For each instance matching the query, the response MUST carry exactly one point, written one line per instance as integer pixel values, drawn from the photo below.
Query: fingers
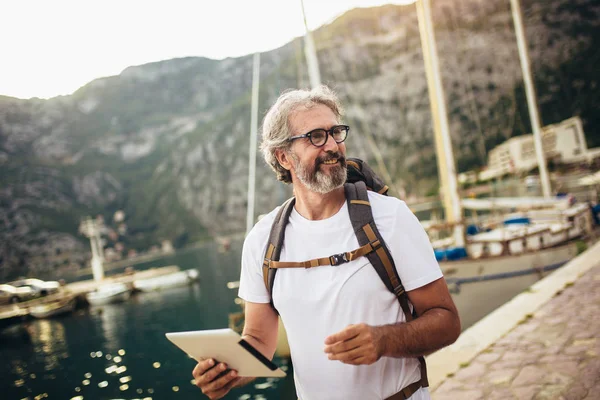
(346, 355)
(221, 385)
(358, 356)
(223, 391)
(215, 381)
(345, 334)
(342, 347)
(356, 345)
(202, 367)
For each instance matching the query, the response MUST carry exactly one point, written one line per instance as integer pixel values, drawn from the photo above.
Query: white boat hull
(97, 300)
(480, 286)
(181, 278)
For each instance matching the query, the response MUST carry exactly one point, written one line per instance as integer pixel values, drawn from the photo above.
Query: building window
(575, 135)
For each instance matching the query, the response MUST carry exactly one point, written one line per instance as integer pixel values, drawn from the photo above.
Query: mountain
(167, 142)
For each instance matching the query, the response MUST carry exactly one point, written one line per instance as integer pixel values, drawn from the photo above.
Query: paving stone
(576, 392)
(592, 353)
(501, 365)
(575, 350)
(448, 386)
(550, 392)
(594, 393)
(558, 358)
(569, 368)
(487, 358)
(585, 342)
(553, 355)
(551, 350)
(529, 375)
(536, 348)
(473, 373)
(558, 378)
(590, 374)
(510, 341)
(555, 341)
(512, 355)
(581, 335)
(501, 377)
(500, 394)
(526, 392)
(559, 319)
(460, 394)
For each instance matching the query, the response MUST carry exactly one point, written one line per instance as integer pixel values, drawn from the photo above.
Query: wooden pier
(84, 287)
(76, 292)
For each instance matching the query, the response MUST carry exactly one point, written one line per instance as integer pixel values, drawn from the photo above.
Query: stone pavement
(552, 354)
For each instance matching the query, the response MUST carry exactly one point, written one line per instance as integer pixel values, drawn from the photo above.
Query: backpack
(360, 179)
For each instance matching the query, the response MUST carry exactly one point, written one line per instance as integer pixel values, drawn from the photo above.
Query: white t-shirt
(317, 302)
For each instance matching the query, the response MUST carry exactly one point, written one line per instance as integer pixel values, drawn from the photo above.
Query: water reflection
(49, 342)
(112, 318)
(119, 350)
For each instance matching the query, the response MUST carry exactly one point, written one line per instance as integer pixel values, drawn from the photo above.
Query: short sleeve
(412, 251)
(252, 286)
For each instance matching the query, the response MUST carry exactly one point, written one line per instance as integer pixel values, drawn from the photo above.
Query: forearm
(260, 346)
(433, 330)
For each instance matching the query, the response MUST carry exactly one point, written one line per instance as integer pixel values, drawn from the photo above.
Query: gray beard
(315, 180)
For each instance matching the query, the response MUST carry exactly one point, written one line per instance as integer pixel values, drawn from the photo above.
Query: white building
(563, 142)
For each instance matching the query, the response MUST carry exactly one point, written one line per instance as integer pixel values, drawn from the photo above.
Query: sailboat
(486, 264)
(485, 267)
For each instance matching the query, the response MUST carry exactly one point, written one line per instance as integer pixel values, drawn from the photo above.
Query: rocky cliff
(167, 142)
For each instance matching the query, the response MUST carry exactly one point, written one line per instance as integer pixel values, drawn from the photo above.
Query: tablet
(226, 345)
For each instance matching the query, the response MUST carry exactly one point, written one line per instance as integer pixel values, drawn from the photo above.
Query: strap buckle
(338, 259)
(399, 290)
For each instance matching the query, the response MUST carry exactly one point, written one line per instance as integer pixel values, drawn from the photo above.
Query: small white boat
(109, 293)
(53, 308)
(181, 278)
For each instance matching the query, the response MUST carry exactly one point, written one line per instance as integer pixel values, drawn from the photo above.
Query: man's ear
(284, 159)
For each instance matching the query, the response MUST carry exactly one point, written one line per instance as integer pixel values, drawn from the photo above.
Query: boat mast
(90, 229)
(310, 52)
(445, 157)
(253, 140)
(531, 96)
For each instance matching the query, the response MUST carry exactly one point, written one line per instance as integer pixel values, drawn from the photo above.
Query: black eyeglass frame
(328, 132)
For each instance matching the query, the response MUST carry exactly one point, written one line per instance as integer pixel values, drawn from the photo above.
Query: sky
(53, 47)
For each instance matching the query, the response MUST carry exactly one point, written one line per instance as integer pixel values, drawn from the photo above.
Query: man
(348, 336)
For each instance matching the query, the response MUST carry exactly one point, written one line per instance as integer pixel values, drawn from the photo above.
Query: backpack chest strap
(333, 260)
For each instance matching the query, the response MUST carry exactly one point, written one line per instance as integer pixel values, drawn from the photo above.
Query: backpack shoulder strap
(366, 231)
(275, 243)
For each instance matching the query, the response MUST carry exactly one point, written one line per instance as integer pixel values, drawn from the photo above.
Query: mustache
(331, 155)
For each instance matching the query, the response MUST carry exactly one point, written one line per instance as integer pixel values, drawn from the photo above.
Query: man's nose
(331, 144)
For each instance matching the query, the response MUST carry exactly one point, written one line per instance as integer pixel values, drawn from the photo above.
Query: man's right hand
(214, 379)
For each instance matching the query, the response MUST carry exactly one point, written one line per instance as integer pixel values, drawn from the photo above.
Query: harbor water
(119, 351)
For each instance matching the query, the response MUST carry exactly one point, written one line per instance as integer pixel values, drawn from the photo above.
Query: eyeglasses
(318, 137)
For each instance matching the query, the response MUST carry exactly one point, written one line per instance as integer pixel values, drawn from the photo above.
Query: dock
(543, 344)
(76, 291)
(84, 287)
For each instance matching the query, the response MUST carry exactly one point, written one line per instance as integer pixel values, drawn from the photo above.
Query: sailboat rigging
(496, 261)
(481, 264)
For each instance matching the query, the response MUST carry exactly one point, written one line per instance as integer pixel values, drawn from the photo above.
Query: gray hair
(276, 128)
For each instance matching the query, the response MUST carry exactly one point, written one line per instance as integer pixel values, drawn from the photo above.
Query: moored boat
(181, 278)
(109, 293)
(506, 260)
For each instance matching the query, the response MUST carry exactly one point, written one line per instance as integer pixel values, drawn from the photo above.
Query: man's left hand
(356, 344)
